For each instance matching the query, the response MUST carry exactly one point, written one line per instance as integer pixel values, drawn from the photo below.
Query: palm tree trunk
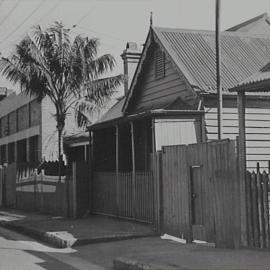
(60, 155)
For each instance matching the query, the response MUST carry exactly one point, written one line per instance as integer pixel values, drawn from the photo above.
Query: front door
(197, 203)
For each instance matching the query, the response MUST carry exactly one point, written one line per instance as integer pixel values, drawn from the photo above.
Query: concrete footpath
(61, 232)
(156, 254)
(125, 245)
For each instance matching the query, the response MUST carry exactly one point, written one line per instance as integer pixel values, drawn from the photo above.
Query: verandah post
(242, 165)
(91, 168)
(74, 189)
(133, 169)
(117, 168)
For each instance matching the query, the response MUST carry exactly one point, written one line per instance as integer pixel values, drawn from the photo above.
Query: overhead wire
(75, 25)
(49, 11)
(100, 33)
(24, 21)
(37, 22)
(10, 12)
(2, 2)
(112, 46)
(88, 13)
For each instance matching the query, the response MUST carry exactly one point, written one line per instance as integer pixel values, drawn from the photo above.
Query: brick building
(28, 129)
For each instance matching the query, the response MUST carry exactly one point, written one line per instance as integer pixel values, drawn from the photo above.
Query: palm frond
(101, 65)
(47, 63)
(100, 89)
(86, 111)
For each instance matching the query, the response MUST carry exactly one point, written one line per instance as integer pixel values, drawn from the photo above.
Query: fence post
(255, 217)
(265, 208)
(260, 205)
(42, 173)
(249, 210)
(241, 143)
(35, 192)
(157, 173)
(1, 185)
(241, 153)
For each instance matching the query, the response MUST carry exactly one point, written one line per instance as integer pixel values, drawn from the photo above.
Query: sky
(115, 22)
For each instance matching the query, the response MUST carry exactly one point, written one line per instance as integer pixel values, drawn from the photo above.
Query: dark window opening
(78, 153)
(11, 153)
(3, 154)
(104, 149)
(33, 149)
(21, 149)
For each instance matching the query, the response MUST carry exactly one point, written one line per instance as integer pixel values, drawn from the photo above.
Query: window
(3, 155)
(159, 64)
(21, 151)
(4, 126)
(12, 122)
(11, 153)
(33, 149)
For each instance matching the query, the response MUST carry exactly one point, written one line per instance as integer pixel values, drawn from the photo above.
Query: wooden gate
(81, 188)
(200, 192)
(124, 196)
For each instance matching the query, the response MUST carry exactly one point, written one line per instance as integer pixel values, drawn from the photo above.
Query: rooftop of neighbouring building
(4, 92)
(13, 101)
(259, 24)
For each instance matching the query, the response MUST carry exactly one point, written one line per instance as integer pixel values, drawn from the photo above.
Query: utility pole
(219, 87)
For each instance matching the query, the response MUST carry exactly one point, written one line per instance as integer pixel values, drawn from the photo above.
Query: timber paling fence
(124, 196)
(258, 198)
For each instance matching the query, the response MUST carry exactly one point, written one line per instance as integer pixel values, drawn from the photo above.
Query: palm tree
(48, 63)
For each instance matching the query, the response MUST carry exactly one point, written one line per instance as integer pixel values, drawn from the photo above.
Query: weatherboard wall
(153, 92)
(177, 131)
(257, 128)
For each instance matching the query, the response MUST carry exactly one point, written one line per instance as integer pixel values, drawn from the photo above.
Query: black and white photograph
(134, 134)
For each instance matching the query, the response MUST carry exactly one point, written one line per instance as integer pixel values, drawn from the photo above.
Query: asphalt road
(18, 252)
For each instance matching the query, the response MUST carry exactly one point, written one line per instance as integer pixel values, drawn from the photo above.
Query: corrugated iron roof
(194, 53)
(259, 81)
(257, 77)
(246, 25)
(77, 137)
(113, 113)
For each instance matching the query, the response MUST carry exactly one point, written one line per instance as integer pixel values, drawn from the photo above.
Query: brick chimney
(131, 56)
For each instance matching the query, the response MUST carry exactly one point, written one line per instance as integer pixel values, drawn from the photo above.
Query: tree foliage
(49, 63)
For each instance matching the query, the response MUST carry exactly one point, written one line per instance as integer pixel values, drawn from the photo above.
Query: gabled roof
(248, 25)
(192, 53)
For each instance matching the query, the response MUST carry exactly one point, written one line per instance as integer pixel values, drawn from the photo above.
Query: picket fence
(258, 198)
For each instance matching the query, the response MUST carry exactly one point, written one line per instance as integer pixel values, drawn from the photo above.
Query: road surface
(18, 252)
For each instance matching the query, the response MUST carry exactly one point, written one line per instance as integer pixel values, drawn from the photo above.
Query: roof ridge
(212, 32)
(257, 18)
